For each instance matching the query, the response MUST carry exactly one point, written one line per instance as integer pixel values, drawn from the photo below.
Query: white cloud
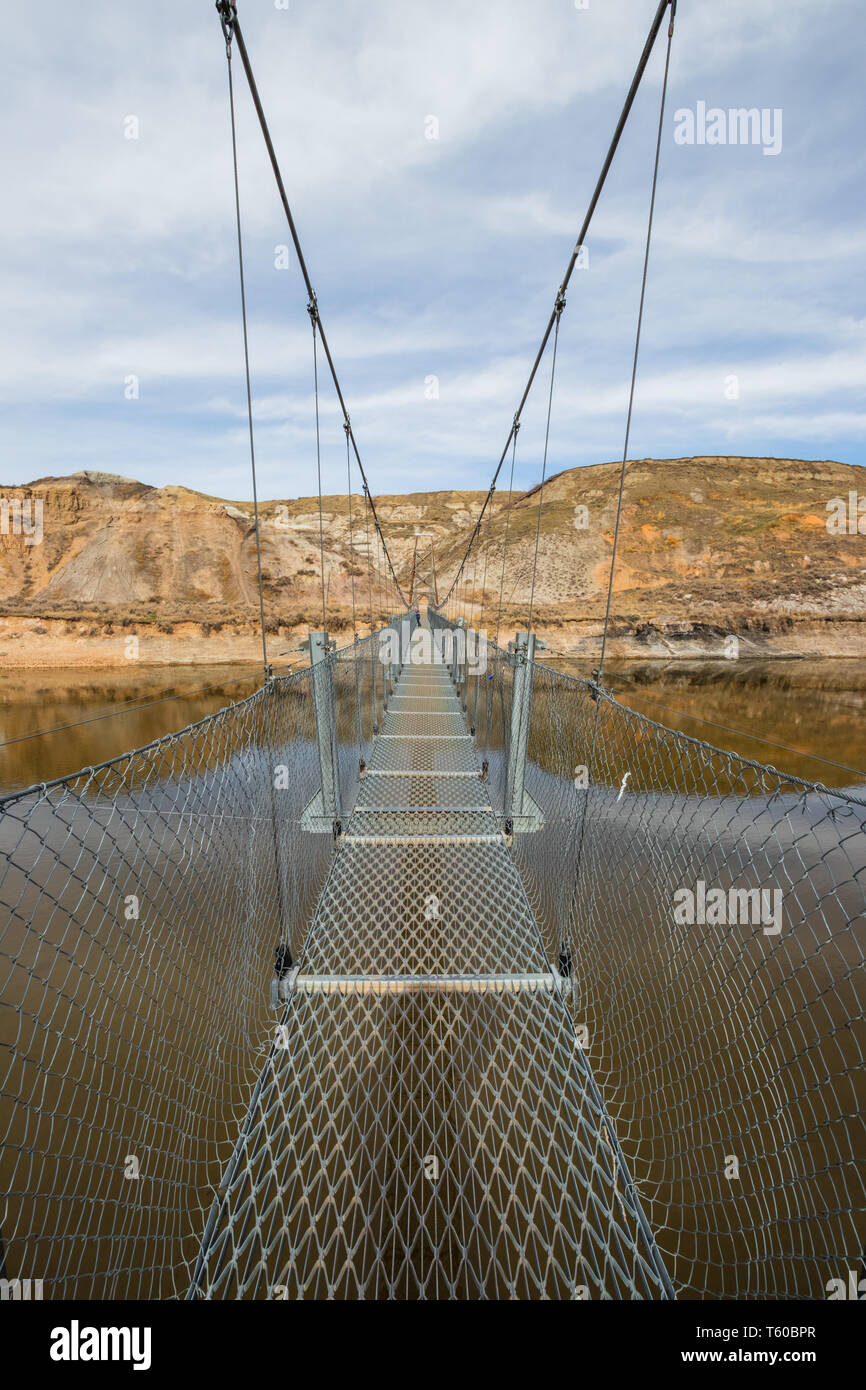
(428, 256)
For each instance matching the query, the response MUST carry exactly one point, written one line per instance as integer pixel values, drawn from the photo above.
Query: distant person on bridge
(418, 617)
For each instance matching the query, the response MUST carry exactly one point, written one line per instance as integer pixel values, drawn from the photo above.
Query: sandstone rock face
(734, 543)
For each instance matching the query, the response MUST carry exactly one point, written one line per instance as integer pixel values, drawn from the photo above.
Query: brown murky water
(119, 706)
(748, 707)
(753, 707)
(154, 1008)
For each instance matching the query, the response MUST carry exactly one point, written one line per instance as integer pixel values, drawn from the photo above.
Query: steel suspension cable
(514, 434)
(560, 307)
(474, 588)
(484, 572)
(373, 696)
(590, 765)
(227, 11)
(313, 312)
(351, 535)
(247, 359)
(602, 178)
(643, 283)
(482, 669)
(381, 596)
(369, 561)
(357, 659)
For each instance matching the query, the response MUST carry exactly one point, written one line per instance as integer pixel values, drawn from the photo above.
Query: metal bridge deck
(426, 1125)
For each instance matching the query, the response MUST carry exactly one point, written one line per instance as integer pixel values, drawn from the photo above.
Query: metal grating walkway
(426, 1125)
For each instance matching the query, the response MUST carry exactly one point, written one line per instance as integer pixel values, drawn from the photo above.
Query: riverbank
(790, 638)
(34, 643)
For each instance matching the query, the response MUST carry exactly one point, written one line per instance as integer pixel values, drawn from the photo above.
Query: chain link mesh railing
(705, 912)
(424, 1124)
(142, 905)
(711, 912)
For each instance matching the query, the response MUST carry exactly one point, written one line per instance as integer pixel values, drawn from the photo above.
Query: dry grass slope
(707, 544)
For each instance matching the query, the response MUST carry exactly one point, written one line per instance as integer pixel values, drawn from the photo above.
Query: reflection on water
(144, 1034)
(47, 699)
(140, 909)
(712, 1037)
(816, 707)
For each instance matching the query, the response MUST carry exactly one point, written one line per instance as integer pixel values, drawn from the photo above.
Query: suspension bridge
(355, 989)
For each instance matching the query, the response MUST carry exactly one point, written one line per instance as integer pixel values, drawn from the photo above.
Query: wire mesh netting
(425, 1125)
(143, 902)
(458, 1150)
(616, 1045)
(711, 911)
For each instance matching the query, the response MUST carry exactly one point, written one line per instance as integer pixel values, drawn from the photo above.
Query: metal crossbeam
(411, 984)
(374, 1144)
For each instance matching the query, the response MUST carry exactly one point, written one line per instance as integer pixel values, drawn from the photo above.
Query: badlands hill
(708, 547)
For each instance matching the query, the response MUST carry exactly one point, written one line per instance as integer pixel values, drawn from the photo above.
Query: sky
(439, 159)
